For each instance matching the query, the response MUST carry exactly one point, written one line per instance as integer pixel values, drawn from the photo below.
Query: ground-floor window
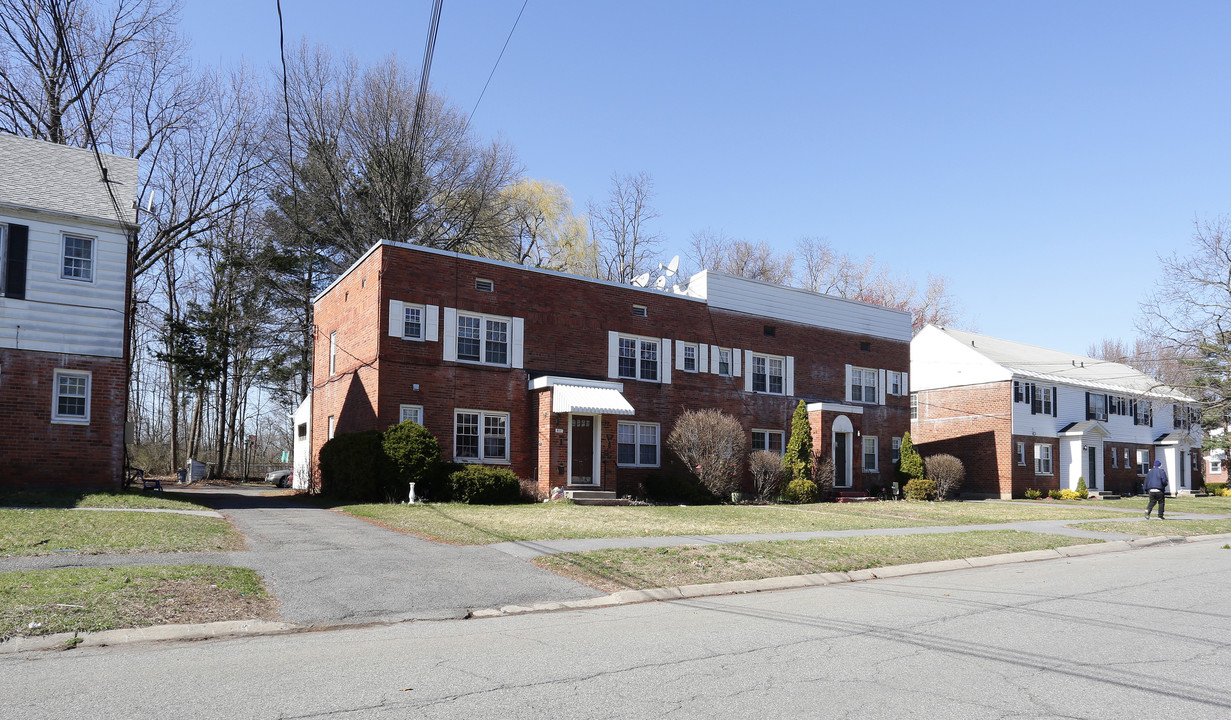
(771, 440)
(897, 450)
(1215, 467)
(413, 413)
(480, 436)
(1021, 454)
(1042, 459)
(1143, 462)
(637, 444)
(1115, 456)
(870, 462)
(71, 403)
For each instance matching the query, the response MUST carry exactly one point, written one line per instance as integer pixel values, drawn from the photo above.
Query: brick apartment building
(576, 383)
(1024, 417)
(63, 294)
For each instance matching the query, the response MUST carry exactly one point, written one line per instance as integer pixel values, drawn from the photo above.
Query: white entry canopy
(584, 396)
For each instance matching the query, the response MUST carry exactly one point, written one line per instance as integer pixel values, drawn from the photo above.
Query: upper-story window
(768, 374)
(1142, 412)
(412, 322)
(897, 383)
(724, 361)
(1182, 417)
(3, 254)
(863, 385)
(1096, 406)
(333, 352)
(1041, 399)
(482, 339)
(689, 357)
(1117, 405)
(78, 258)
(638, 358)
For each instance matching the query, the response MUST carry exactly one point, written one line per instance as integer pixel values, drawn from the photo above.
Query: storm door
(581, 451)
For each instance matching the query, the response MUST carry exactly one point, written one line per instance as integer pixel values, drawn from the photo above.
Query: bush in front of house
(712, 446)
(1082, 491)
(676, 488)
(1033, 494)
(1070, 495)
(1216, 488)
(1054, 494)
(910, 464)
(354, 468)
(766, 468)
(482, 485)
(415, 455)
(800, 491)
(822, 475)
(797, 460)
(947, 472)
(921, 489)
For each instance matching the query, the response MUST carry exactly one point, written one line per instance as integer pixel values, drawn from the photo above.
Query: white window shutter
(848, 383)
(664, 362)
(789, 380)
(880, 387)
(519, 344)
(432, 325)
(450, 330)
(679, 354)
(613, 354)
(748, 375)
(396, 319)
(735, 358)
(703, 358)
(906, 383)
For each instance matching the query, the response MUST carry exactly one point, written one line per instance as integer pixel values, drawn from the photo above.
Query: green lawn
(479, 524)
(614, 570)
(70, 499)
(44, 531)
(90, 599)
(1187, 528)
(1183, 504)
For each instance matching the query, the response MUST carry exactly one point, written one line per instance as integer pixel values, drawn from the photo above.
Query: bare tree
(620, 227)
(735, 256)
(1151, 356)
(947, 472)
(767, 472)
(711, 444)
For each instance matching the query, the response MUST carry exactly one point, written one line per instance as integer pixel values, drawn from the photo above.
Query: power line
(493, 72)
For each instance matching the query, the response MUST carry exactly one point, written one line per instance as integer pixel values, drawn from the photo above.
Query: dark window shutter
(1055, 402)
(15, 263)
(1089, 415)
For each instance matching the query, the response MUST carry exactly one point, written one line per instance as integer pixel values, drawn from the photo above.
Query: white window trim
(1038, 460)
(663, 352)
(875, 468)
(429, 326)
(403, 409)
(56, 417)
(1216, 467)
(1021, 454)
(93, 257)
(333, 352)
(903, 388)
(717, 364)
(637, 426)
(786, 373)
(482, 458)
(681, 356)
(877, 389)
(1143, 466)
(332, 426)
(896, 449)
(483, 320)
(780, 433)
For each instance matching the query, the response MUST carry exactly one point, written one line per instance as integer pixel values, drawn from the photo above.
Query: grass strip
(481, 524)
(1197, 505)
(640, 568)
(54, 530)
(1186, 528)
(42, 602)
(116, 499)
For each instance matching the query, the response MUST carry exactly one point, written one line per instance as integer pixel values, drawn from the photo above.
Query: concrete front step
(1101, 495)
(590, 494)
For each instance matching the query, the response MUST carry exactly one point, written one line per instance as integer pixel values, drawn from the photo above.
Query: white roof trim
(834, 407)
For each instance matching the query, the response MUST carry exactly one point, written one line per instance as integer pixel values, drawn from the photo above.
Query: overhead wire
(496, 65)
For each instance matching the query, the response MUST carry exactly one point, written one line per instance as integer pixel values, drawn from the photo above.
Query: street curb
(247, 628)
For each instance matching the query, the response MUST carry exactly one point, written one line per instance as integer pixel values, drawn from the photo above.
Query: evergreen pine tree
(910, 464)
(797, 460)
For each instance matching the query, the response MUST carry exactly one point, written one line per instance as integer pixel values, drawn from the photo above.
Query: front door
(840, 476)
(581, 451)
(1092, 468)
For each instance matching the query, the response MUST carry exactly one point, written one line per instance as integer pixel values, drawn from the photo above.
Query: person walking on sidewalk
(1156, 486)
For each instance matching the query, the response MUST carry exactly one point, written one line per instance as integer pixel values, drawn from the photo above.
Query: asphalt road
(1141, 634)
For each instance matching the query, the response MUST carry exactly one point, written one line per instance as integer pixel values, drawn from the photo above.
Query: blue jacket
(1156, 479)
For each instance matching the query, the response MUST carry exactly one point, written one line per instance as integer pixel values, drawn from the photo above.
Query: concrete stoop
(594, 497)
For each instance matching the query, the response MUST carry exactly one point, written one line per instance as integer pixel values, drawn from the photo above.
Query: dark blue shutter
(15, 263)
(1055, 402)
(1089, 415)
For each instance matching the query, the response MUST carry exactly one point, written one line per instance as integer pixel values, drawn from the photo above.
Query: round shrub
(800, 491)
(1033, 494)
(921, 489)
(480, 485)
(415, 454)
(1053, 494)
(1070, 495)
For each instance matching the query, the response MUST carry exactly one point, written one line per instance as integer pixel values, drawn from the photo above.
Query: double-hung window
(333, 352)
(412, 322)
(78, 258)
(1143, 462)
(637, 444)
(914, 406)
(480, 436)
(896, 383)
(1216, 467)
(767, 374)
(870, 459)
(724, 362)
(771, 440)
(1021, 454)
(1042, 459)
(413, 413)
(483, 339)
(3, 255)
(863, 385)
(638, 358)
(1096, 406)
(689, 357)
(71, 403)
(897, 450)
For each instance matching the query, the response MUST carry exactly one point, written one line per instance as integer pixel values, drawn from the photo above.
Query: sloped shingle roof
(46, 176)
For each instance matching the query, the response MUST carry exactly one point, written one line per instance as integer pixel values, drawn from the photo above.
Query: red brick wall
(36, 453)
(566, 325)
(972, 423)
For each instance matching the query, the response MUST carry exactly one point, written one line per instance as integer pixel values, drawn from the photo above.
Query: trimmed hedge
(481, 485)
(801, 491)
(921, 489)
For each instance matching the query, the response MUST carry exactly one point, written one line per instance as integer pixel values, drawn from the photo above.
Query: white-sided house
(1023, 417)
(1216, 461)
(302, 456)
(63, 325)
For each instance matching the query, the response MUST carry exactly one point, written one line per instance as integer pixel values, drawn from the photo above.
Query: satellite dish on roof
(671, 267)
(641, 280)
(661, 282)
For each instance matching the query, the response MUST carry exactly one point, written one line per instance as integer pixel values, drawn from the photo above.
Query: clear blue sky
(1041, 155)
